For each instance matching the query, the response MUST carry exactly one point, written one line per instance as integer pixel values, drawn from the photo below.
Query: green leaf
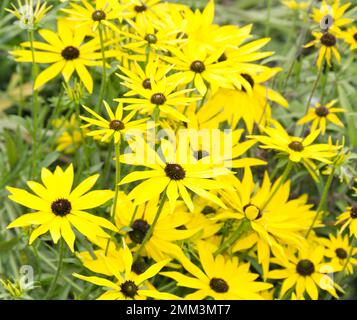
(11, 151)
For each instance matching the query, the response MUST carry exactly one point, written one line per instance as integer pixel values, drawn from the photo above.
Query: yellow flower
(173, 174)
(127, 284)
(305, 272)
(251, 101)
(103, 12)
(295, 5)
(273, 221)
(116, 126)
(58, 208)
(350, 37)
(70, 137)
(320, 115)
(160, 96)
(196, 66)
(335, 11)
(327, 44)
(66, 52)
(139, 218)
(219, 278)
(349, 219)
(298, 149)
(338, 249)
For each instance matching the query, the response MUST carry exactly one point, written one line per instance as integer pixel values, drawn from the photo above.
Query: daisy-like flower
(87, 15)
(338, 249)
(66, 52)
(298, 149)
(250, 102)
(145, 9)
(127, 284)
(350, 37)
(116, 126)
(320, 115)
(70, 137)
(349, 219)
(161, 95)
(146, 36)
(327, 44)
(58, 208)
(273, 221)
(196, 66)
(173, 171)
(334, 12)
(305, 272)
(138, 220)
(219, 278)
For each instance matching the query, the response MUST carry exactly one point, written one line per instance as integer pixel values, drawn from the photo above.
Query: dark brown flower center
(341, 253)
(296, 146)
(61, 207)
(355, 36)
(116, 125)
(151, 38)
(200, 154)
(70, 53)
(219, 285)
(197, 66)
(322, 111)
(175, 171)
(305, 267)
(223, 57)
(147, 84)
(249, 80)
(140, 229)
(328, 39)
(208, 210)
(252, 212)
(139, 266)
(129, 289)
(98, 15)
(140, 8)
(158, 99)
(353, 212)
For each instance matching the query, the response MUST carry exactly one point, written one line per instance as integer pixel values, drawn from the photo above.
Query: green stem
(283, 178)
(322, 201)
(58, 271)
(233, 238)
(267, 23)
(116, 192)
(151, 230)
(156, 114)
(104, 73)
(35, 105)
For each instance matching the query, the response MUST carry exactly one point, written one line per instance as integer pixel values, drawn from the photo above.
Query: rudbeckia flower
(327, 44)
(161, 95)
(320, 115)
(305, 272)
(250, 101)
(58, 208)
(66, 51)
(350, 37)
(338, 249)
(220, 278)
(296, 148)
(349, 219)
(104, 12)
(273, 221)
(127, 285)
(116, 126)
(173, 174)
(138, 220)
(295, 5)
